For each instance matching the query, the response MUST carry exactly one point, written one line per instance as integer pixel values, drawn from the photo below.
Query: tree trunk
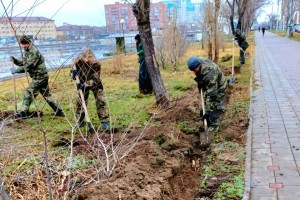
(216, 38)
(231, 18)
(141, 10)
(209, 41)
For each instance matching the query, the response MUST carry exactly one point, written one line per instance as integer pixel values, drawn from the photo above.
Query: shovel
(205, 137)
(15, 94)
(87, 118)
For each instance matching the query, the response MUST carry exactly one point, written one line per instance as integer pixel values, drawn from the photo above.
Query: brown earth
(170, 171)
(166, 162)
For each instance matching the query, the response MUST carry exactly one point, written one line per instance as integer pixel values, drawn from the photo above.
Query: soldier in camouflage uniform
(212, 81)
(88, 70)
(241, 39)
(34, 65)
(145, 84)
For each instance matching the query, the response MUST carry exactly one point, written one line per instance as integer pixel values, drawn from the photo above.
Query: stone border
(248, 162)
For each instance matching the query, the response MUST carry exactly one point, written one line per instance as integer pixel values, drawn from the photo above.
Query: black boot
(22, 115)
(59, 113)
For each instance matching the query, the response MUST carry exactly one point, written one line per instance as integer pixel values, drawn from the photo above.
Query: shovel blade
(206, 138)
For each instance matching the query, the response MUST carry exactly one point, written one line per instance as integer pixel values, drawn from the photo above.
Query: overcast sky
(79, 12)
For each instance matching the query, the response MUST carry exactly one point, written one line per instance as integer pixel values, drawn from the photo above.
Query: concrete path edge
(247, 175)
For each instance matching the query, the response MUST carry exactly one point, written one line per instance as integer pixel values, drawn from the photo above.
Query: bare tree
(171, 44)
(243, 10)
(290, 14)
(141, 10)
(216, 31)
(272, 20)
(208, 21)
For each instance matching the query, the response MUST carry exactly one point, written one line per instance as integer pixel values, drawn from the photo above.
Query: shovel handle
(15, 95)
(232, 63)
(203, 108)
(87, 118)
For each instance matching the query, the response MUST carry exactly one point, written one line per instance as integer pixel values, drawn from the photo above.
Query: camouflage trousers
(242, 56)
(36, 87)
(100, 105)
(215, 108)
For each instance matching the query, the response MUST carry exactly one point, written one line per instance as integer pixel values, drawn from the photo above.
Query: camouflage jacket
(140, 51)
(33, 63)
(89, 74)
(241, 39)
(212, 81)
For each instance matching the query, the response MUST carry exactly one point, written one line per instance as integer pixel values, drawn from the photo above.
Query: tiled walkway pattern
(275, 152)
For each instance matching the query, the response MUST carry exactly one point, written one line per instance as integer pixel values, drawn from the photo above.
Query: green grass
(295, 36)
(126, 108)
(232, 189)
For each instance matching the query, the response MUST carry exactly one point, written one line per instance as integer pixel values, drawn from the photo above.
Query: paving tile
(259, 180)
(273, 168)
(286, 172)
(292, 130)
(276, 185)
(262, 191)
(261, 163)
(260, 154)
(283, 152)
(280, 144)
(291, 122)
(288, 198)
(296, 156)
(289, 191)
(265, 198)
(292, 126)
(259, 130)
(293, 135)
(289, 180)
(285, 163)
(261, 145)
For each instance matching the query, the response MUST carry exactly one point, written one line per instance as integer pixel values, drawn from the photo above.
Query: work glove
(74, 74)
(14, 60)
(199, 82)
(205, 117)
(13, 70)
(100, 86)
(80, 86)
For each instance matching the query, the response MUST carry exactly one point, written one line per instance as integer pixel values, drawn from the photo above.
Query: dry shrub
(117, 64)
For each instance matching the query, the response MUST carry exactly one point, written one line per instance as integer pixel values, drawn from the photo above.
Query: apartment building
(69, 31)
(37, 27)
(186, 12)
(119, 17)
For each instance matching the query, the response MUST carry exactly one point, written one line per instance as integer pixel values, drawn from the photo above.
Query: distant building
(186, 12)
(69, 31)
(36, 27)
(115, 12)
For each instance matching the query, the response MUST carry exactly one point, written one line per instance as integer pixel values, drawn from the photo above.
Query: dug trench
(167, 163)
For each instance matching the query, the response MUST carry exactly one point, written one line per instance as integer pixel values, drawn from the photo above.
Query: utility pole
(277, 17)
(290, 19)
(271, 18)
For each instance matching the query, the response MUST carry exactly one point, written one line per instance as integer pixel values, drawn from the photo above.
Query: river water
(56, 54)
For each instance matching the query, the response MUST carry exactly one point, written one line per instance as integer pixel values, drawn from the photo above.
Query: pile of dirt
(166, 163)
(155, 169)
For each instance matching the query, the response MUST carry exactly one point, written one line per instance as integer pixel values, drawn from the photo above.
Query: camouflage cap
(25, 39)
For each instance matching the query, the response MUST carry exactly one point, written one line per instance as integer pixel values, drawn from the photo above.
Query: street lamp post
(122, 21)
(193, 32)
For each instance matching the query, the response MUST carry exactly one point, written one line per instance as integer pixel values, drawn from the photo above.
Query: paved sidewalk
(275, 121)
